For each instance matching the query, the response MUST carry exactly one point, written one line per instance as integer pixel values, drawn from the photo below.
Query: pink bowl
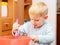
(10, 40)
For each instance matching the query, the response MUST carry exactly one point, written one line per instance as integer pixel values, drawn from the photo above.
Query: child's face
(37, 21)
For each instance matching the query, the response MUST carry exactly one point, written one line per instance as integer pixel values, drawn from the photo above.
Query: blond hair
(39, 8)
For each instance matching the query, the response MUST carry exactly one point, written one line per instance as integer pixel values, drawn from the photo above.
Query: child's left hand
(35, 39)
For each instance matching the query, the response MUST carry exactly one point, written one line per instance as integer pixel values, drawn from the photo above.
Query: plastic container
(10, 40)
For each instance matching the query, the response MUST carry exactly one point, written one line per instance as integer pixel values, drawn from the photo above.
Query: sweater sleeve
(48, 38)
(21, 31)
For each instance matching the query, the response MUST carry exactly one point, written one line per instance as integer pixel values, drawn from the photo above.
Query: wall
(58, 5)
(51, 13)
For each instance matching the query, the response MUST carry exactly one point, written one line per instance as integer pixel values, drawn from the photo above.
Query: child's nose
(34, 23)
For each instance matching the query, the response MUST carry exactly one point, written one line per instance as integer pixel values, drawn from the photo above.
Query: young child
(37, 28)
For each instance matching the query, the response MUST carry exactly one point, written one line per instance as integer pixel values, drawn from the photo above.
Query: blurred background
(10, 10)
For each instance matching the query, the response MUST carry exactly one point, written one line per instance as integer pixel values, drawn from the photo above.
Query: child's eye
(36, 20)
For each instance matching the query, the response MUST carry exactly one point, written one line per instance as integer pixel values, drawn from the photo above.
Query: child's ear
(45, 17)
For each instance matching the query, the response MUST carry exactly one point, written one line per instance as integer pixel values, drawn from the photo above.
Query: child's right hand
(15, 28)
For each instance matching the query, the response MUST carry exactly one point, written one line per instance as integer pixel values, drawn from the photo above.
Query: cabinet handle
(6, 24)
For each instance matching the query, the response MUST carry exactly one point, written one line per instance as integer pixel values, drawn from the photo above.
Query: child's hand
(35, 39)
(15, 27)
